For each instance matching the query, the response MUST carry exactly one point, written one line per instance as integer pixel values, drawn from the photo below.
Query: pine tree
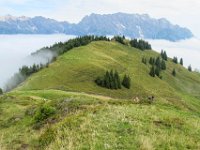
(181, 61)
(174, 72)
(157, 71)
(151, 61)
(1, 91)
(165, 55)
(117, 78)
(107, 80)
(158, 63)
(175, 60)
(190, 68)
(112, 82)
(152, 71)
(126, 82)
(144, 60)
(163, 65)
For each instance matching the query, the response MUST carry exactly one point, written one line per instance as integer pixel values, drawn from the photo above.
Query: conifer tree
(181, 61)
(126, 82)
(158, 63)
(165, 55)
(117, 78)
(174, 72)
(163, 65)
(1, 91)
(175, 60)
(152, 71)
(157, 71)
(190, 68)
(107, 80)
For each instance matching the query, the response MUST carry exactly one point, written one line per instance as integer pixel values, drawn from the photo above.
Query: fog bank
(15, 52)
(189, 50)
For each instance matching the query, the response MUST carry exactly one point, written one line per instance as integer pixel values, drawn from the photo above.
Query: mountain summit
(131, 25)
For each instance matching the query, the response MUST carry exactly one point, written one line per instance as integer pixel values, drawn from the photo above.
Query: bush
(190, 68)
(174, 72)
(1, 91)
(43, 113)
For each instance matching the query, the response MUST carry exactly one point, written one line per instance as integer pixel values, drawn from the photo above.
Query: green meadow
(61, 107)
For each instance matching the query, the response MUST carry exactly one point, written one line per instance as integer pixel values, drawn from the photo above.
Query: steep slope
(77, 69)
(87, 116)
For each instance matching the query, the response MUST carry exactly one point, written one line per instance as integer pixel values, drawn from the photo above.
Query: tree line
(61, 48)
(140, 44)
(111, 80)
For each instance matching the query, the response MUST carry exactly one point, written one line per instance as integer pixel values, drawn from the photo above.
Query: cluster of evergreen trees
(164, 55)
(144, 60)
(140, 44)
(61, 48)
(111, 80)
(175, 60)
(27, 71)
(158, 65)
(120, 39)
(23, 73)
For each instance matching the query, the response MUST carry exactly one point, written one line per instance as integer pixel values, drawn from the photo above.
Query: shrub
(190, 68)
(1, 91)
(174, 72)
(43, 113)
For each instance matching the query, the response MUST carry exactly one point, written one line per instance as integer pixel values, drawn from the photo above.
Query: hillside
(131, 25)
(81, 115)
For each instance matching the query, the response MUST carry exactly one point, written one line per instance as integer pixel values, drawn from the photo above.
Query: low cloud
(15, 51)
(189, 50)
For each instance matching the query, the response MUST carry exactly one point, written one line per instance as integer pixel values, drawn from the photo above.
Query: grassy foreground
(86, 116)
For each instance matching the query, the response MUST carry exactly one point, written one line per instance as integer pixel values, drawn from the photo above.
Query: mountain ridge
(62, 106)
(131, 25)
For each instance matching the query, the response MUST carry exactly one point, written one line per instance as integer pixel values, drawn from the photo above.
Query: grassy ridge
(77, 70)
(90, 117)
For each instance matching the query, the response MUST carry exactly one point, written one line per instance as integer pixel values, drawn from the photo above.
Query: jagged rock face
(132, 25)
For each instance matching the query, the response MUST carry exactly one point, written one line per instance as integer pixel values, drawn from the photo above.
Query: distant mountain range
(131, 25)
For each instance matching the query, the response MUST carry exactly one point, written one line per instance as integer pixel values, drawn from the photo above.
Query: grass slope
(91, 117)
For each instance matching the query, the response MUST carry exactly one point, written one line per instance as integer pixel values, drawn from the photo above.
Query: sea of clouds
(15, 52)
(188, 49)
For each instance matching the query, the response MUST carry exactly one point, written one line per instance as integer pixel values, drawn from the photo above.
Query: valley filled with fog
(15, 49)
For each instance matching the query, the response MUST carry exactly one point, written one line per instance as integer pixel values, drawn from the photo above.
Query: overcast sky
(182, 12)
